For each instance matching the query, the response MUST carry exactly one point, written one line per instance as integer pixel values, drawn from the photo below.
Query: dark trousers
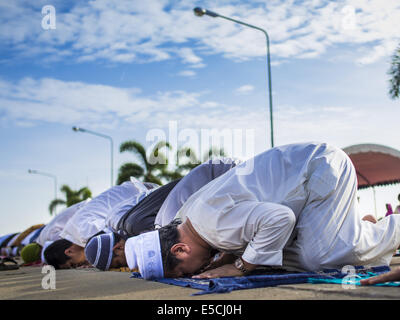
(141, 217)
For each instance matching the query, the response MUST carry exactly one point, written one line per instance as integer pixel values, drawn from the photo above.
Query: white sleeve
(258, 231)
(274, 223)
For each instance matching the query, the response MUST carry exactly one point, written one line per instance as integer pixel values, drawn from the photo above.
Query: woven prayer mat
(270, 278)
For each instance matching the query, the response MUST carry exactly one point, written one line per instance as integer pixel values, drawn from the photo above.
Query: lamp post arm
(44, 174)
(244, 23)
(96, 133)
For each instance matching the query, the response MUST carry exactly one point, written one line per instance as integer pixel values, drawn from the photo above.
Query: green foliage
(71, 197)
(154, 167)
(192, 160)
(128, 170)
(394, 72)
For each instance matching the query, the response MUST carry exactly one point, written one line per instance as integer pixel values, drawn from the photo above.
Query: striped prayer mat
(271, 278)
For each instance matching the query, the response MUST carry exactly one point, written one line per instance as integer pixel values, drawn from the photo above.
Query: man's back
(277, 175)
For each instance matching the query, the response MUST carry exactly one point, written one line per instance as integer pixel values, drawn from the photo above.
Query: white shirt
(309, 188)
(28, 238)
(189, 184)
(52, 231)
(99, 214)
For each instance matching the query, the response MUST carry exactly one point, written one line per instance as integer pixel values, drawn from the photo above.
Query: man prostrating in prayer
(293, 206)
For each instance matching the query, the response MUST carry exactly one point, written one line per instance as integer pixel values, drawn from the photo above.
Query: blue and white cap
(46, 244)
(99, 251)
(143, 252)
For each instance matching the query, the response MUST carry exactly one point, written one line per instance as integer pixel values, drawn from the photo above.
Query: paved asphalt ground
(91, 284)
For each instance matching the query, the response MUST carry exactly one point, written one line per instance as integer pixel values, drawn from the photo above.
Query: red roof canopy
(376, 165)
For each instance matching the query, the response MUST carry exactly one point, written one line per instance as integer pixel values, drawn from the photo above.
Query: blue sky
(125, 68)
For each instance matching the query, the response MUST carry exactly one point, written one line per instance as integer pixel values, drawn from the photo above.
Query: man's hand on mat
(224, 258)
(227, 270)
(393, 275)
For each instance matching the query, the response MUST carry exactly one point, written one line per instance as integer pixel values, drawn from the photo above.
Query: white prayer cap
(14, 251)
(143, 252)
(46, 244)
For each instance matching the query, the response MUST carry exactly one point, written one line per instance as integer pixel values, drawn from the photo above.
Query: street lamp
(200, 12)
(77, 129)
(47, 175)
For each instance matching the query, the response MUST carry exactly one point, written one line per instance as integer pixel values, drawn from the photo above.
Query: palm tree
(213, 152)
(394, 72)
(150, 169)
(194, 161)
(186, 153)
(71, 197)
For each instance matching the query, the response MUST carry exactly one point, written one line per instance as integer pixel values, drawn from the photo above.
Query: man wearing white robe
(297, 208)
(192, 182)
(111, 212)
(94, 217)
(98, 215)
(52, 230)
(155, 210)
(104, 212)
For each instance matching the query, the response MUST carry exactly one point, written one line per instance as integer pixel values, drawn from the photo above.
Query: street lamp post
(200, 12)
(47, 175)
(77, 129)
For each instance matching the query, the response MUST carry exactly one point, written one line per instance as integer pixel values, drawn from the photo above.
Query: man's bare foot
(393, 275)
(370, 218)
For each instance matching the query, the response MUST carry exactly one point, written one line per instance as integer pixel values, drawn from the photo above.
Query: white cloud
(127, 31)
(383, 50)
(51, 100)
(245, 89)
(34, 101)
(190, 57)
(187, 73)
(210, 105)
